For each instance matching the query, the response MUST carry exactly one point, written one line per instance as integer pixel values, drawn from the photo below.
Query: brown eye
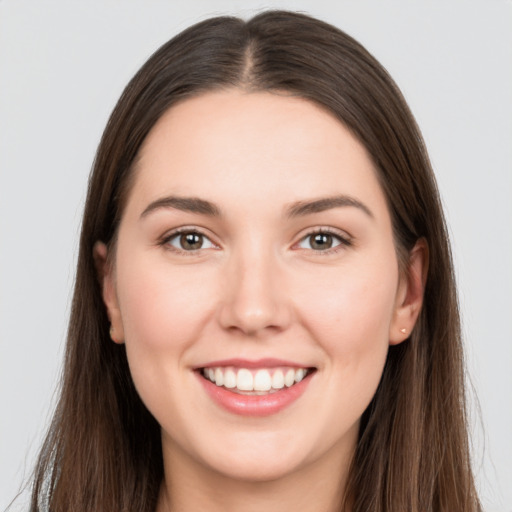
(189, 241)
(322, 241)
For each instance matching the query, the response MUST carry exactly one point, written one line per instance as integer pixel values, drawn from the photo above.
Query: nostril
(252, 319)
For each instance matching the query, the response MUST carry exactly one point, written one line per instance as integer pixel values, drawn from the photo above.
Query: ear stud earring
(111, 332)
(403, 331)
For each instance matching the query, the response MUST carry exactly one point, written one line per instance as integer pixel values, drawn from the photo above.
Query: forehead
(252, 147)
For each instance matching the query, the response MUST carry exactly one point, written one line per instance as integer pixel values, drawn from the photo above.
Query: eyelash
(192, 231)
(343, 239)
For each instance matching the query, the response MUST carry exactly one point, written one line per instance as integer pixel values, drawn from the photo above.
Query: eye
(188, 241)
(323, 241)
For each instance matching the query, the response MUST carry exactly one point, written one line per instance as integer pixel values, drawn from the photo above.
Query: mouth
(255, 382)
(254, 388)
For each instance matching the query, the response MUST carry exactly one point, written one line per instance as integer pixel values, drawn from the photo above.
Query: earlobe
(108, 290)
(409, 299)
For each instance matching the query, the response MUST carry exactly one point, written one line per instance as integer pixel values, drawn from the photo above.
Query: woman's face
(256, 250)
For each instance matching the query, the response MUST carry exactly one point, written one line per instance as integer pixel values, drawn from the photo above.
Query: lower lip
(255, 405)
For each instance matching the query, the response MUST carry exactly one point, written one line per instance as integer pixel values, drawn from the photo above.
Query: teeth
(289, 378)
(278, 380)
(244, 380)
(260, 381)
(219, 377)
(230, 379)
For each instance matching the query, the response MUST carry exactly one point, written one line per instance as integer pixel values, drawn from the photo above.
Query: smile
(254, 381)
(259, 388)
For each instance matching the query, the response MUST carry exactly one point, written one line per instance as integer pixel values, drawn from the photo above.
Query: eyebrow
(293, 210)
(185, 204)
(302, 208)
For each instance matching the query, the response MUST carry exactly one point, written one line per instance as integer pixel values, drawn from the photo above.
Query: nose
(254, 300)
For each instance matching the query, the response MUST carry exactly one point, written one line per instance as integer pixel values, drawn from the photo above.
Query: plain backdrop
(64, 64)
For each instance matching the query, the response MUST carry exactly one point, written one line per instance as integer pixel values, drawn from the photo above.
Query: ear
(108, 291)
(409, 297)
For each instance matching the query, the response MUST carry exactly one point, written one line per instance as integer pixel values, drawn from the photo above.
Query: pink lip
(254, 405)
(259, 363)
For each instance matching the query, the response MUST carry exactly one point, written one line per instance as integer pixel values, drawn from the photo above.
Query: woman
(264, 313)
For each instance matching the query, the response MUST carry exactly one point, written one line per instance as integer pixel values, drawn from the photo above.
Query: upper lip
(268, 362)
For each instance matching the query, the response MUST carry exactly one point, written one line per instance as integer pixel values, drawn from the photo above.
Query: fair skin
(320, 289)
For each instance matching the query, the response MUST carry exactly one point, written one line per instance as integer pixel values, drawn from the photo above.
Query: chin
(257, 471)
(259, 459)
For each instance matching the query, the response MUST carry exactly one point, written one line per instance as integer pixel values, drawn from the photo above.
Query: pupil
(191, 241)
(321, 241)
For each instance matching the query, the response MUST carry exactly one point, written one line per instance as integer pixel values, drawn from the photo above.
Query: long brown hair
(103, 450)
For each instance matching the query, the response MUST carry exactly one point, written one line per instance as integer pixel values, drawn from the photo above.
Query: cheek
(353, 307)
(163, 308)
(350, 318)
(163, 311)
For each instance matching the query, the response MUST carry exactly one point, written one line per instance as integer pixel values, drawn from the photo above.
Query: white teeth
(219, 377)
(230, 379)
(278, 380)
(258, 381)
(244, 380)
(262, 381)
(289, 378)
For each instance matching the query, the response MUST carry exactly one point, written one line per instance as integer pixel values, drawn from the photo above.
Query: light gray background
(62, 67)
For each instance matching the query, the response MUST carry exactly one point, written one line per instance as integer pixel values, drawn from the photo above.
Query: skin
(258, 287)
